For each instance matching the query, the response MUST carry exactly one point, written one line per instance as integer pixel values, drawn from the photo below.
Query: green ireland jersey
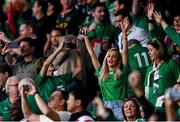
(5, 109)
(114, 89)
(158, 79)
(138, 59)
(48, 84)
(104, 31)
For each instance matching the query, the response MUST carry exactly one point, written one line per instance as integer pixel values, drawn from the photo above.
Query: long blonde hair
(104, 71)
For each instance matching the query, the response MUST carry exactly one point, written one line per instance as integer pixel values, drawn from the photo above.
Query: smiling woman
(112, 77)
(130, 110)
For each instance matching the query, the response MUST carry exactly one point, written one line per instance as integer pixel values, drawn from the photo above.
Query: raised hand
(32, 88)
(26, 91)
(84, 30)
(97, 101)
(4, 38)
(157, 17)
(150, 10)
(124, 24)
(22, 91)
(5, 50)
(135, 79)
(100, 106)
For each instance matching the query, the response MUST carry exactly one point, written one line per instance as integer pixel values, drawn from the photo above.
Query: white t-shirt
(63, 115)
(44, 118)
(85, 118)
(134, 33)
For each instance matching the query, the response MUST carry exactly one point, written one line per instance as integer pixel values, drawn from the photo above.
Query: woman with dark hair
(162, 74)
(130, 110)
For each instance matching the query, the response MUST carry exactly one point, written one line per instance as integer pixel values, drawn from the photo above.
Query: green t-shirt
(104, 31)
(157, 81)
(5, 109)
(138, 59)
(178, 113)
(141, 21)
(48, 84)
(33, 105)
(173, 35)
(114, 89)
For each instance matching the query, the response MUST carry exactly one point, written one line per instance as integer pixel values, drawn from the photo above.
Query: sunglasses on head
(155, 42)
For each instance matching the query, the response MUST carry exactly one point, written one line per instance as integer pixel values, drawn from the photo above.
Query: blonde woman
(112, 78)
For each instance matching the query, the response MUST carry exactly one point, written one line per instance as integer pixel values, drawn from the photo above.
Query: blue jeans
(116, 107)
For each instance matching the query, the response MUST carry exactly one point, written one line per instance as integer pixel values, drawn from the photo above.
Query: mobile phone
(82, 31)
(26, 87)
(173, 94)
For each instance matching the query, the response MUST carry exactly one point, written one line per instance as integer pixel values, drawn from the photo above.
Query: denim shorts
(116, 107)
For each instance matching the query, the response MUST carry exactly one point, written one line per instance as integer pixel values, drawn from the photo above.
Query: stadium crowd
(89, 60)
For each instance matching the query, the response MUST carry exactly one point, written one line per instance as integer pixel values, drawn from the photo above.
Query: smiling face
(177, 23)
(130, 109)
(99, 13)
(112, 58)
(12, 86)
(55, 36)
(54, 100)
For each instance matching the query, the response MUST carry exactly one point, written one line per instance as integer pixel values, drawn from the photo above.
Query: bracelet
(35, 93)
